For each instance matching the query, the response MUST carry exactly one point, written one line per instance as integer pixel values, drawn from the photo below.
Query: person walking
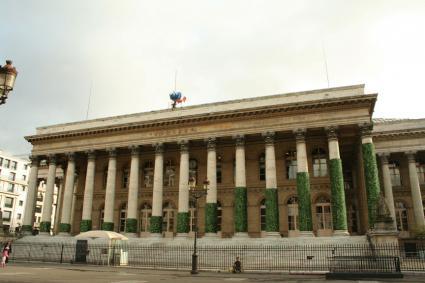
(7, 250)
(237, 266)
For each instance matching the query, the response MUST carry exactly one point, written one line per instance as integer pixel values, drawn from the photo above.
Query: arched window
(125, 178)
(219, 216)
(394, 167)
(320, 167)
(263, 215)
(145, 216)
(218, 169)
(168, 218)
(170, 173)
(262, 167)
(401, 216)
(148, 173)
(420, 168)
(193, 169)
(193, 215)
(323, 213)
(291, 165)
(123, 215)
(293, 213)
(105, 177)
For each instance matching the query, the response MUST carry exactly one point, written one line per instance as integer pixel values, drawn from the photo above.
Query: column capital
(211, 143)
(184, 145)
(300, 135)
(52, 158)
(34, 159)
(384, 157)
(91, 154)
(70, 156)
(332, 132)
(135, 149)
(411, 156)
(268, 137)
(240, 140)
(112, 152)
(159, 148)
(366, 129)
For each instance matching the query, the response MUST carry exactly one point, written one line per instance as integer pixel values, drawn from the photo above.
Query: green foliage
(65, 227)
(131, 225)
(418, 232)
(211, 217)
(372, 181)
(45, 226)
(241, 217)
(339, 211)
(304, 202)
(183, 222)
(85, 225)
(155, 224)
(272, 210)
(108, 226)
(26, 228)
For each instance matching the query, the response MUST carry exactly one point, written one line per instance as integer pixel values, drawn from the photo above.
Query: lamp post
(196, 193)
(8, 75)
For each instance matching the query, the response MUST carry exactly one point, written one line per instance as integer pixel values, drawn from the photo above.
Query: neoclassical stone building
(299, 164)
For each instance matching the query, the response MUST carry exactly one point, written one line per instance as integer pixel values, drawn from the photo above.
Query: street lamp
(8, 75)
(196, 193)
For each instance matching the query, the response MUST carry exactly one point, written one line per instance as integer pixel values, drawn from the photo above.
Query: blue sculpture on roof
(176, 97)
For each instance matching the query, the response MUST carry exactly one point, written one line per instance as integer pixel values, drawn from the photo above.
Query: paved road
(43, 273)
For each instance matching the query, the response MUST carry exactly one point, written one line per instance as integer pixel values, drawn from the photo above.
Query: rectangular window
(25, 166)
(39, 197)
(24, 188)
(19, 216)
(1, 161)
(24, 177)
(10, 187)
(38, 209)
(14, 165)
(12, 176)
(7, 215)
(6, 163)
(21, 203)
(8, 202)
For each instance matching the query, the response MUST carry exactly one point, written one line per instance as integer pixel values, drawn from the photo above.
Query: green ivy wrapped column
(48, 197)
(371, 173)
(133, 193)
(211, 203)
(108, 224)
(183, 213)
(272, 206)
(241, 197)
(30, 202)
(156, 219)
(339, 211)
(303, 187)
(86, 222)
(65, 225)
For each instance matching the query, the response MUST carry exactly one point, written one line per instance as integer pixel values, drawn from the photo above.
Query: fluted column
(303, 186)
(339, 210)
(241, 195)
(108, 223)
(371, 173)
(46, 216)
(272, 206)
(156, 218)
(415, 188)
(30, 202)
(133, 193)
(65, 225)
(211, 201)
(86, 222)
(388, 187)
(183, 217)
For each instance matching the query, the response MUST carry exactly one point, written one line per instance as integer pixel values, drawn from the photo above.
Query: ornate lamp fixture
(8, 75)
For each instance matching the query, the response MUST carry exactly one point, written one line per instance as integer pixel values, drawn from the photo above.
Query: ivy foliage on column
(183, 222)
(131, 225)
(45, 226)
(155, 224)
(272, 209)
(183, 215)
(65, 227)
(108, 226)
(85, 225)
(241, 197)
(211, 218)
(156, 218)
(371, 173)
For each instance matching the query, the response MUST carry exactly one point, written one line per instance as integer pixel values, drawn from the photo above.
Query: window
(8, 202)
(38, 219)
(293, 213)
(101, 217)
(12, 176)
(1, 161)
(219, 216)
(193, 216)
(148, 173)
(146, 213)
(6, 163)
(123, 216)
(168, 218)
(263, 215)
(14, 165)
(395, 173)
(38, 209)
(10, 187)
(105, 177)
(291, 165)
(218, 170)
(401, 216)
(39, 196)
(19, 216)
(170, 173)
(21, 203)
(24, 177)
(420, 168)
(320, 167)
(125, 178)
(193, 169)
(262, 167)
(24, 188)
(323, 213)
(25, 166)
(7, 215)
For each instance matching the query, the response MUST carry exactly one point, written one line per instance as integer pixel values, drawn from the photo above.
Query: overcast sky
(127, 52)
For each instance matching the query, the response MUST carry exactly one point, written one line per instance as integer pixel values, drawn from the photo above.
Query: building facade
(300, 164)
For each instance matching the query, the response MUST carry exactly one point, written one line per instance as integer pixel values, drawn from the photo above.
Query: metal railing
(277, 258)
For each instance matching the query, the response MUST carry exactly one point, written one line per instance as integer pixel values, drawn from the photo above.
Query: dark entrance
(81, 251)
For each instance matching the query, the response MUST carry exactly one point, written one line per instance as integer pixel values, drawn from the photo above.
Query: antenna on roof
(326, 62)
(88, 104)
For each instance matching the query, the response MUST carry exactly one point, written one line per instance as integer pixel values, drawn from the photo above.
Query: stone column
(415, 188)
(58, 208)
(183, 217)
(303, 186)
(241, 195)
(65, 225)
(388, 187)
(133, 193)
(74, 201)
(86, 221)
(339, 210)
(156, 218)
(272, 205)
(46, 224)
(30, 202)
(371, 173)
(211, 201)
(108, 223)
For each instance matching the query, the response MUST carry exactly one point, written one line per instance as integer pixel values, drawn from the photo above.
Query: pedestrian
(237, 266)
(7, 250)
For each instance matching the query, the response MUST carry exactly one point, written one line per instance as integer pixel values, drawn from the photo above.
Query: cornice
(398, 133)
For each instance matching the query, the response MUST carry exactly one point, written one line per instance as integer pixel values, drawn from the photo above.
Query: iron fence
(277, 258)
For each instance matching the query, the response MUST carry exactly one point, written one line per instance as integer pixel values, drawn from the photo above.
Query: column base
(241, 235)
(339, 233)
(131, 235)
(155, 235)
(182, 235)
(306, 234)
(273, 234)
